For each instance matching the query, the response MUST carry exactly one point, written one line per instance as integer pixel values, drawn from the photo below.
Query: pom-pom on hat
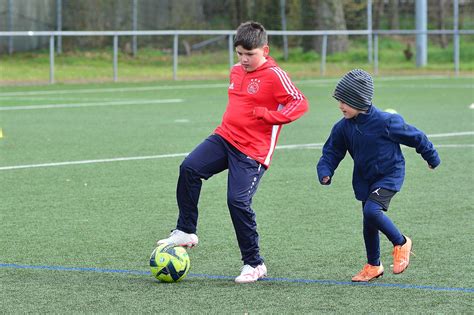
(356, 89)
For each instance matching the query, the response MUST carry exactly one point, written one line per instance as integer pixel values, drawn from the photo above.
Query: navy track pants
(374, 221)
(213, 156)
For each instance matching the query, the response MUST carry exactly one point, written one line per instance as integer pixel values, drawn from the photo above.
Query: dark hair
(251, 35)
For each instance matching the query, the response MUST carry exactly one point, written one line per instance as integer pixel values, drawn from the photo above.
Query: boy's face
(347, 111)
(252, 59)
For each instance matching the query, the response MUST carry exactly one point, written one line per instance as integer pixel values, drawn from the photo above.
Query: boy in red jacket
(261, 99)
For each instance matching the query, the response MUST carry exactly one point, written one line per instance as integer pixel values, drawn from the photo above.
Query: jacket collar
(363, 117)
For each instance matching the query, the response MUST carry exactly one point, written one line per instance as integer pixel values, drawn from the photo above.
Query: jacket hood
(363, 117)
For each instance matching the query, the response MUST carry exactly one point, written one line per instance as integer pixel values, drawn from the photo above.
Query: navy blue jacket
(373, 141)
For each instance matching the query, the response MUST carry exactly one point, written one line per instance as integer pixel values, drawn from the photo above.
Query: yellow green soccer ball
(169, 263)
(391, 111)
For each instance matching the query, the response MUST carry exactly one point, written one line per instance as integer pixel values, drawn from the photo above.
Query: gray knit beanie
(356, 89)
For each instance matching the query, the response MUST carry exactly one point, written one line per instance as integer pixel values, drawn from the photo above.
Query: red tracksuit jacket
(260, 102)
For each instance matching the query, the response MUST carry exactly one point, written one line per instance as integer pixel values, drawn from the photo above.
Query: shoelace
(397, 252)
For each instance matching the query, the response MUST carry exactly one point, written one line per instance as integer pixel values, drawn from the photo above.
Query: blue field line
(207, 276)
(60, 268)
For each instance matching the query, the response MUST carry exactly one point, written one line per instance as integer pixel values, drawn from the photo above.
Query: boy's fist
(325, 180)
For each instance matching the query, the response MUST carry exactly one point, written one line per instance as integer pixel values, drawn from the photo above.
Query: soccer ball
(169, 263)
(391, 111)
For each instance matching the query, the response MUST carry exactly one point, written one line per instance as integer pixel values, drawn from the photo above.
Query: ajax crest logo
(253, 86)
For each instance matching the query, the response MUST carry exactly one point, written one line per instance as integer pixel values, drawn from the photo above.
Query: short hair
(251, 35)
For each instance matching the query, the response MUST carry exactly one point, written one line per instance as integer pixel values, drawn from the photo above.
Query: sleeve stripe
(292, 108)
(287, 84)
(285, 81)
(290, 89)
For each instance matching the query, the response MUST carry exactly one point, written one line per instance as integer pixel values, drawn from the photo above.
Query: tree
(394, 15)
(378, 13)
(324, 15)
(441, 18)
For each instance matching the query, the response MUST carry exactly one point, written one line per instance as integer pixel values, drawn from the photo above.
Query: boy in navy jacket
(372, 138)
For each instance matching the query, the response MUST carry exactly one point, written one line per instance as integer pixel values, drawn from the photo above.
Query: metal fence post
(421, 11)
(51, 59)
(369, 29)
(115, 58)
(59, 24)
(376, 54)
(175, 57)
(323, 55)
(283, 27)
(10, 26)
(231, 51)
(456, 36)
(134, 27)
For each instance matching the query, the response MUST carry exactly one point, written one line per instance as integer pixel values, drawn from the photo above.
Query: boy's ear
(266, 50)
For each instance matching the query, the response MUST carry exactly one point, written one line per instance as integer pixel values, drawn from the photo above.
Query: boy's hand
(325, 180)
(259, 112)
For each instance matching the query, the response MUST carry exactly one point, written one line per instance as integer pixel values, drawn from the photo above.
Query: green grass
(108, 215)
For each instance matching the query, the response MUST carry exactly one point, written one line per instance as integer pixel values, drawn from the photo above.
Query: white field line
(162, 156)
(116, 103)
(133, 158)
(53, 98)
(320, 146)
(427, 86)
(452, 134)
(212, 85)
(117, 90)
(466, 145)
(300, 146)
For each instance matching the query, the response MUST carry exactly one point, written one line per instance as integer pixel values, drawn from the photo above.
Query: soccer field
(88, 176)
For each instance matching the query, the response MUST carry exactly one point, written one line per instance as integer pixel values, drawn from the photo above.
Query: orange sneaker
(401, 256)
(368, 273)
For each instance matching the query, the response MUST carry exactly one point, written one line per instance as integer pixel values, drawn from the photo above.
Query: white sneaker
(180, 238)
(250, 274)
